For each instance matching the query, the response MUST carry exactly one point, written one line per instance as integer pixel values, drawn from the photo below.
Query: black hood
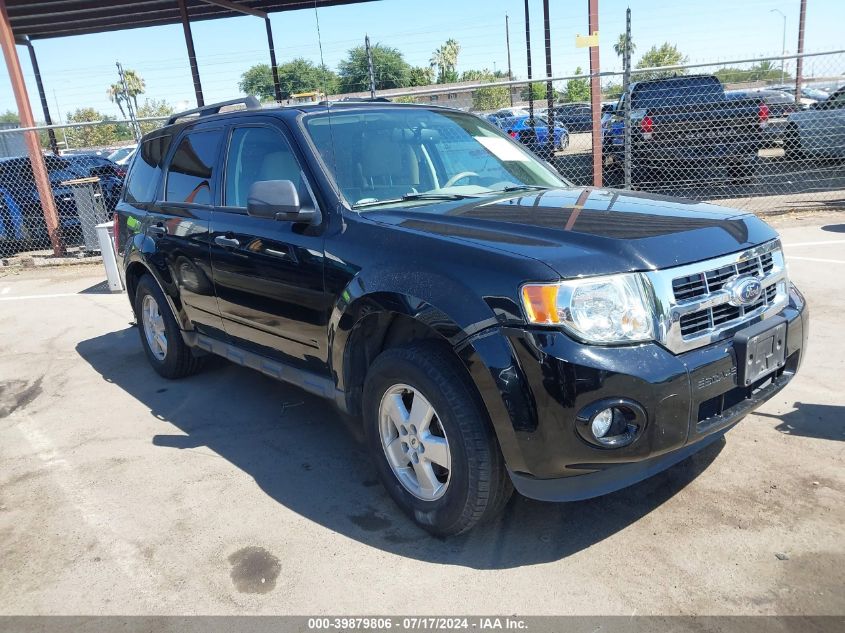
(586, 231)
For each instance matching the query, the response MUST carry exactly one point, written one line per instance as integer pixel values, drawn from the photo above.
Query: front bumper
(690, 400)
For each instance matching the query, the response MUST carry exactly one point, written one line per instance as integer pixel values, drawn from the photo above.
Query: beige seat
(390, 163)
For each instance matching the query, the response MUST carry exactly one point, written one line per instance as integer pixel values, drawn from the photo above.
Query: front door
(268, 274)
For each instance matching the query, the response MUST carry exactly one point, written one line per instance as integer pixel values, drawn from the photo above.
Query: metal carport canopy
(61, 18)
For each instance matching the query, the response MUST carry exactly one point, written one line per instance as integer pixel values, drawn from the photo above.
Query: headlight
(612, 309)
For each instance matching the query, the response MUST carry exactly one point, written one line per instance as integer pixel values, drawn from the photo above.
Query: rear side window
(190, 176)
(142, 183)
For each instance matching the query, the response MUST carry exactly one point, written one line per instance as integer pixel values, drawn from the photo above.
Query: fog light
(601, 423)
(611, 423)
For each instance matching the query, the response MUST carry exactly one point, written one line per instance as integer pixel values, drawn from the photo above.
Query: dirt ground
(123, 493)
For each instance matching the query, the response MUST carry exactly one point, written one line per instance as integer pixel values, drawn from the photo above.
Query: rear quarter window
(145, 172)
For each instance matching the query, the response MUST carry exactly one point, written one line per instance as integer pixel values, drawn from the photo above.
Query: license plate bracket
(760, 350)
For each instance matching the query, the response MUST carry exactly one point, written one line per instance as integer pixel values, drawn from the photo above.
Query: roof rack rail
(250, 102)
(356, 100)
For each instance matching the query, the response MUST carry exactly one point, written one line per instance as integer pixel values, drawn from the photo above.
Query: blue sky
(77, 70)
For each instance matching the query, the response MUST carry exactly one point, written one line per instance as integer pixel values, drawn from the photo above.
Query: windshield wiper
(521, 188)
(414, 196)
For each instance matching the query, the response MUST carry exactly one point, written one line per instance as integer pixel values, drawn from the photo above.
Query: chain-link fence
(735, 133)
(86, 179)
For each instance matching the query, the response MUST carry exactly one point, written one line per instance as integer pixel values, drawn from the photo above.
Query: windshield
(121, 153)
(400, 156)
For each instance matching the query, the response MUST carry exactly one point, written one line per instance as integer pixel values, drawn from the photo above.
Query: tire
(792, 143)
(476, 486)
(176, 360)
(742, 173)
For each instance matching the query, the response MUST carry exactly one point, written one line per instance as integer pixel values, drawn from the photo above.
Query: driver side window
(259, 153)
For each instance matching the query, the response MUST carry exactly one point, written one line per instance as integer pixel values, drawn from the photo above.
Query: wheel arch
(382, 320)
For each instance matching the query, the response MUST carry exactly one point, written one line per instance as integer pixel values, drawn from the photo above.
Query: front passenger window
(259, 153)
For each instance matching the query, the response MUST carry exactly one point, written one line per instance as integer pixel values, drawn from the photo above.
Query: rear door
(178, 223)
(268, 274)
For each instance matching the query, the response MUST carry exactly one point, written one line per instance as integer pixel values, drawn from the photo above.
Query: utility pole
(370, 67)
(799, 61)
(783, 45)
(277, 88)
(550, 94)
(528, 55)
(595, 91)
(59, 111)
(626, 103)
(136, 129)
(508, 44)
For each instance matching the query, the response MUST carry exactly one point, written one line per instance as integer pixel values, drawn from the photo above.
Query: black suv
(491, 326)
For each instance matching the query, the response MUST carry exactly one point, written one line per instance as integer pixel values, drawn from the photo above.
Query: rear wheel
(160, 334)
(431, 441)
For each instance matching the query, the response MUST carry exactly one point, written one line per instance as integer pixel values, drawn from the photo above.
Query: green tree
(135, 85)
(577, 89)
(153, 108)
(258, 81)
(421, 76)
(491, 98)
(619, 47)
(9, 117)
(302, 75)
(762, 71)
(90, 135)
(445, 59)
(538, 92)
(389, 67)
(664, 55)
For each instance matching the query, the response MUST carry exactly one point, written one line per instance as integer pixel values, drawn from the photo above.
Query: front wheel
(431, 440)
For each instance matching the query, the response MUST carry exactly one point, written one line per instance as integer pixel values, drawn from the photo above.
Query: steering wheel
(457, 177)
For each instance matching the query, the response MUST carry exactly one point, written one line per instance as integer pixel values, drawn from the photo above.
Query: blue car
(519, 127)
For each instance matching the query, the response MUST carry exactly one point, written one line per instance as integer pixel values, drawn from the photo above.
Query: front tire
(431, 440)
(160, 334)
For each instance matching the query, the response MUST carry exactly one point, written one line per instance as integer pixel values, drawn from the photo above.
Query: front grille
(701, 285)
(694, 306)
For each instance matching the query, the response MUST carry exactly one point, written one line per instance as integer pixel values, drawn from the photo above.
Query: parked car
(687, 127)
(122, 155)
(24, 218)
(575, 117)
(808, 94)
(534, 136)
(819, 130)
(780, 105)
(489, 325)
(506, 113)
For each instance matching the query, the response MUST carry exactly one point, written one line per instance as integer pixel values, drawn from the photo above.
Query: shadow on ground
(822, 421)
(305, 455)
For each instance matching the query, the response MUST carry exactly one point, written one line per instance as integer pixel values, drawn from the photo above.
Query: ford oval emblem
(744, 290)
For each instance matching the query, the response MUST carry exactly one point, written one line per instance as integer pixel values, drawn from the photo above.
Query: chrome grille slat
(694, 306)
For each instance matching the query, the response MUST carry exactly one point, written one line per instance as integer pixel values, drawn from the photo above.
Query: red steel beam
(33, 145)
(595, 92)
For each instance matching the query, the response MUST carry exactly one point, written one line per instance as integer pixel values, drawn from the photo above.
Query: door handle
(226, 242)
(157, 230)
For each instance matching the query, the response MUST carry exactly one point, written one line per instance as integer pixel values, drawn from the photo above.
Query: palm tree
(619, 47)
(115, 94)
(135, 85)
(445, 59)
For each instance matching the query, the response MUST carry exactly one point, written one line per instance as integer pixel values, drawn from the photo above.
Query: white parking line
(815, 243)
(791, 258)
(57, 295)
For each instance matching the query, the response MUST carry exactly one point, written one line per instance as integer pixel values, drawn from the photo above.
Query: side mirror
(276, 200)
